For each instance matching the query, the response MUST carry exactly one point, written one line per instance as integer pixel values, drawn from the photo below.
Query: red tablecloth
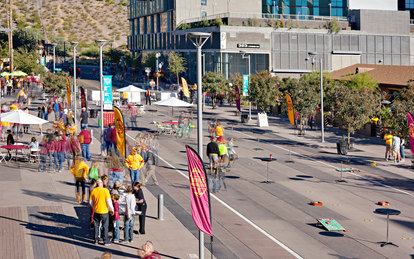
(14, 147)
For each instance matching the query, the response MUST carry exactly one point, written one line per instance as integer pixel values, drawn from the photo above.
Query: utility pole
(11, 35)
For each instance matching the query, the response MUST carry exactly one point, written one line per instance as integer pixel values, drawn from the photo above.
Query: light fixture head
(201, 35)
(312, 53)
(74, 42)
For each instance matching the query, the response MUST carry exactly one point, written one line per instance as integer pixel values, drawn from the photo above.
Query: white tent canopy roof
(130, 88)
(19, 116)
(173, 102)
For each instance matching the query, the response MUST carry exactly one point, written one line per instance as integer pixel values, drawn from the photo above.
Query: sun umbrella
(20, 117)
(5, 74)
(18, 73)
(130, 88)
(173, 102)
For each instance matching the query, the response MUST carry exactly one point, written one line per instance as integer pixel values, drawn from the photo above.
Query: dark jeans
(82, 183)
(97, 219)
(143, 209)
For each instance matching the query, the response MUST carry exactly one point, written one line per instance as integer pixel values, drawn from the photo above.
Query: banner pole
(201, 244)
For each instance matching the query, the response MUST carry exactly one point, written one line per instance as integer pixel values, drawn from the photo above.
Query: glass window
(315, 2)
(203, 2)
(203, 14)
(316, 11)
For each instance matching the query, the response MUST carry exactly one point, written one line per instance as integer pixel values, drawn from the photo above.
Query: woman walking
(80, 171)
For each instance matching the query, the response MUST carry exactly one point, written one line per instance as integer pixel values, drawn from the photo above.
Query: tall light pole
(274, 8)
(54, 56)
(330, 11)
(199, 39)
(75, 88)
(228, 8)
(158, 55)
(244, 56)
(313, 55)
(101, 43)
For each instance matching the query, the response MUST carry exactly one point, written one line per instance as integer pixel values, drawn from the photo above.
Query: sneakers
(116, 241)
(107, 244)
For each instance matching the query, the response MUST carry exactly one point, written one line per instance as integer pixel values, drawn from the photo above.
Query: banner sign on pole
(107, 87)
(42, 61)
(245, 85)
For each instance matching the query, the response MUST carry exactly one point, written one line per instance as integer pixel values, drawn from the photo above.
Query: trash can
(93, 113)
(244, 118)
(342, 147)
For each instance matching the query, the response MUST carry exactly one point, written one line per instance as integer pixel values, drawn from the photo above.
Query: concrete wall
(373, 4)
(384, 22)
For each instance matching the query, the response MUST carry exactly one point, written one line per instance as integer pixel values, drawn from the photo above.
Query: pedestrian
(43, 154)
(10, 138)
(219, 130)
(26, 126)
(388, 142)
(154, 146)
(115, 218)
(21, 96)
(61, 150)
(402, 148)
(84, 118)
(141, 206)
(56, 110)
(212, 153)
(107, 139)
(134, 163)
(94, 172)
(80, 171)
(85, 140)
(146, 251)
(114, 139)
(70, 119)
(40, 114)
(53, 150)
(148, 97)
(396, 145)
(130, 203)
(116, 169)
(101, 203)
(149, 172)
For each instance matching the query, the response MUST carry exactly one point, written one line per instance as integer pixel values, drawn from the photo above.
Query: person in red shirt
(114, 139)
(85, 139)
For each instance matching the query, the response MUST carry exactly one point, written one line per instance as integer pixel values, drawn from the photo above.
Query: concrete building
(379, 37)
(406, 5)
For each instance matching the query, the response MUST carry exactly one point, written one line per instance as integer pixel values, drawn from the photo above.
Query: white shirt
(130, 204)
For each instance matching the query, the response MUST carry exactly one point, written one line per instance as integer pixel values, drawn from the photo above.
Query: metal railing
(299, 17)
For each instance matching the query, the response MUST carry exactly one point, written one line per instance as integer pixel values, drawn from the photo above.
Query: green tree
(362, 81)
(26, 61)
(114, 55)
(354, 107)
(403, 103)
(149, 60)
(26, 38)
(176, 64)
(305, 94)
(264, 90)
(55, 83)
(92, 52)
(215, 84)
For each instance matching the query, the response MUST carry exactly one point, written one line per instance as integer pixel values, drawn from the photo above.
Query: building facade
(407, 5)
(305, 7)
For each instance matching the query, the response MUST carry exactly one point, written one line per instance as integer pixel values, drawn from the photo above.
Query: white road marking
(237, 213)
(357, 175)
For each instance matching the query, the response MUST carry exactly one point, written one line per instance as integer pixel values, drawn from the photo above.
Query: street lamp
(54, 57)
(101, 43)
(158, 55)
(228, 8)
(244, 56)
(330, 11)
(199, 39)
(75, 88)
(313, 59)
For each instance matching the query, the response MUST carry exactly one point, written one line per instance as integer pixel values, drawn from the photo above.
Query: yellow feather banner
(120, 131)
(185, 88)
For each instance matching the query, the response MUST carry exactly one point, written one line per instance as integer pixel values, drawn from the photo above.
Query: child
(115, 218)
(94, 171)
(34, 146)
(129, 216)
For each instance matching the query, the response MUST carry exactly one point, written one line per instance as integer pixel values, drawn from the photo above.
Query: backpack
(93, 173)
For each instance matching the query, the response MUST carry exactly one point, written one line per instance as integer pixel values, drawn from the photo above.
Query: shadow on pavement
(50, 197)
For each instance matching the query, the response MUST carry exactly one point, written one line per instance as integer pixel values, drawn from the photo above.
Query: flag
(200, 196)
(411, 131)
(185, 88)
(290, 109)
(195, 87)
(68, 91)
(83, 97)
(237, 97)
(120, 131)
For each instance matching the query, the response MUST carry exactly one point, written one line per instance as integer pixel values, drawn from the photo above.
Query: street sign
(58, 69)
(245, 85)
(107, 86)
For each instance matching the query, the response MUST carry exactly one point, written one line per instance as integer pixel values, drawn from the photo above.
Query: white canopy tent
(134, 93)
(173, 102)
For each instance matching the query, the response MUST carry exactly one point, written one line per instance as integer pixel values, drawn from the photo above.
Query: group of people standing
(395, 145)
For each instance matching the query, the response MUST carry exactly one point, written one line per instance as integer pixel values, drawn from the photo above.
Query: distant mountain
(75, 20)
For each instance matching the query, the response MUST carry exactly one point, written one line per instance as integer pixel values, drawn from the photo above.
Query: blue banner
(42, 61)
(245, 85)
(107, 87)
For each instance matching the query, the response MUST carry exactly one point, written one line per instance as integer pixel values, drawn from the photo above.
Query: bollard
(160, 206)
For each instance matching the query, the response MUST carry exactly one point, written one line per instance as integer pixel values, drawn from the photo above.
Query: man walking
(134, 162)
(101, 202)
(148, 97)
(85, 140)
(84, 118)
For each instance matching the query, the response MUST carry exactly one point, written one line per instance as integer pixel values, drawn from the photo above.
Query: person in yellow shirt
(134, 162)
(100, 201)
(388, 143)
(80, 171)
(219, 132)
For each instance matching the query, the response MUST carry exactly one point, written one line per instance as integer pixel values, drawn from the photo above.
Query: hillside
(75, 20)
